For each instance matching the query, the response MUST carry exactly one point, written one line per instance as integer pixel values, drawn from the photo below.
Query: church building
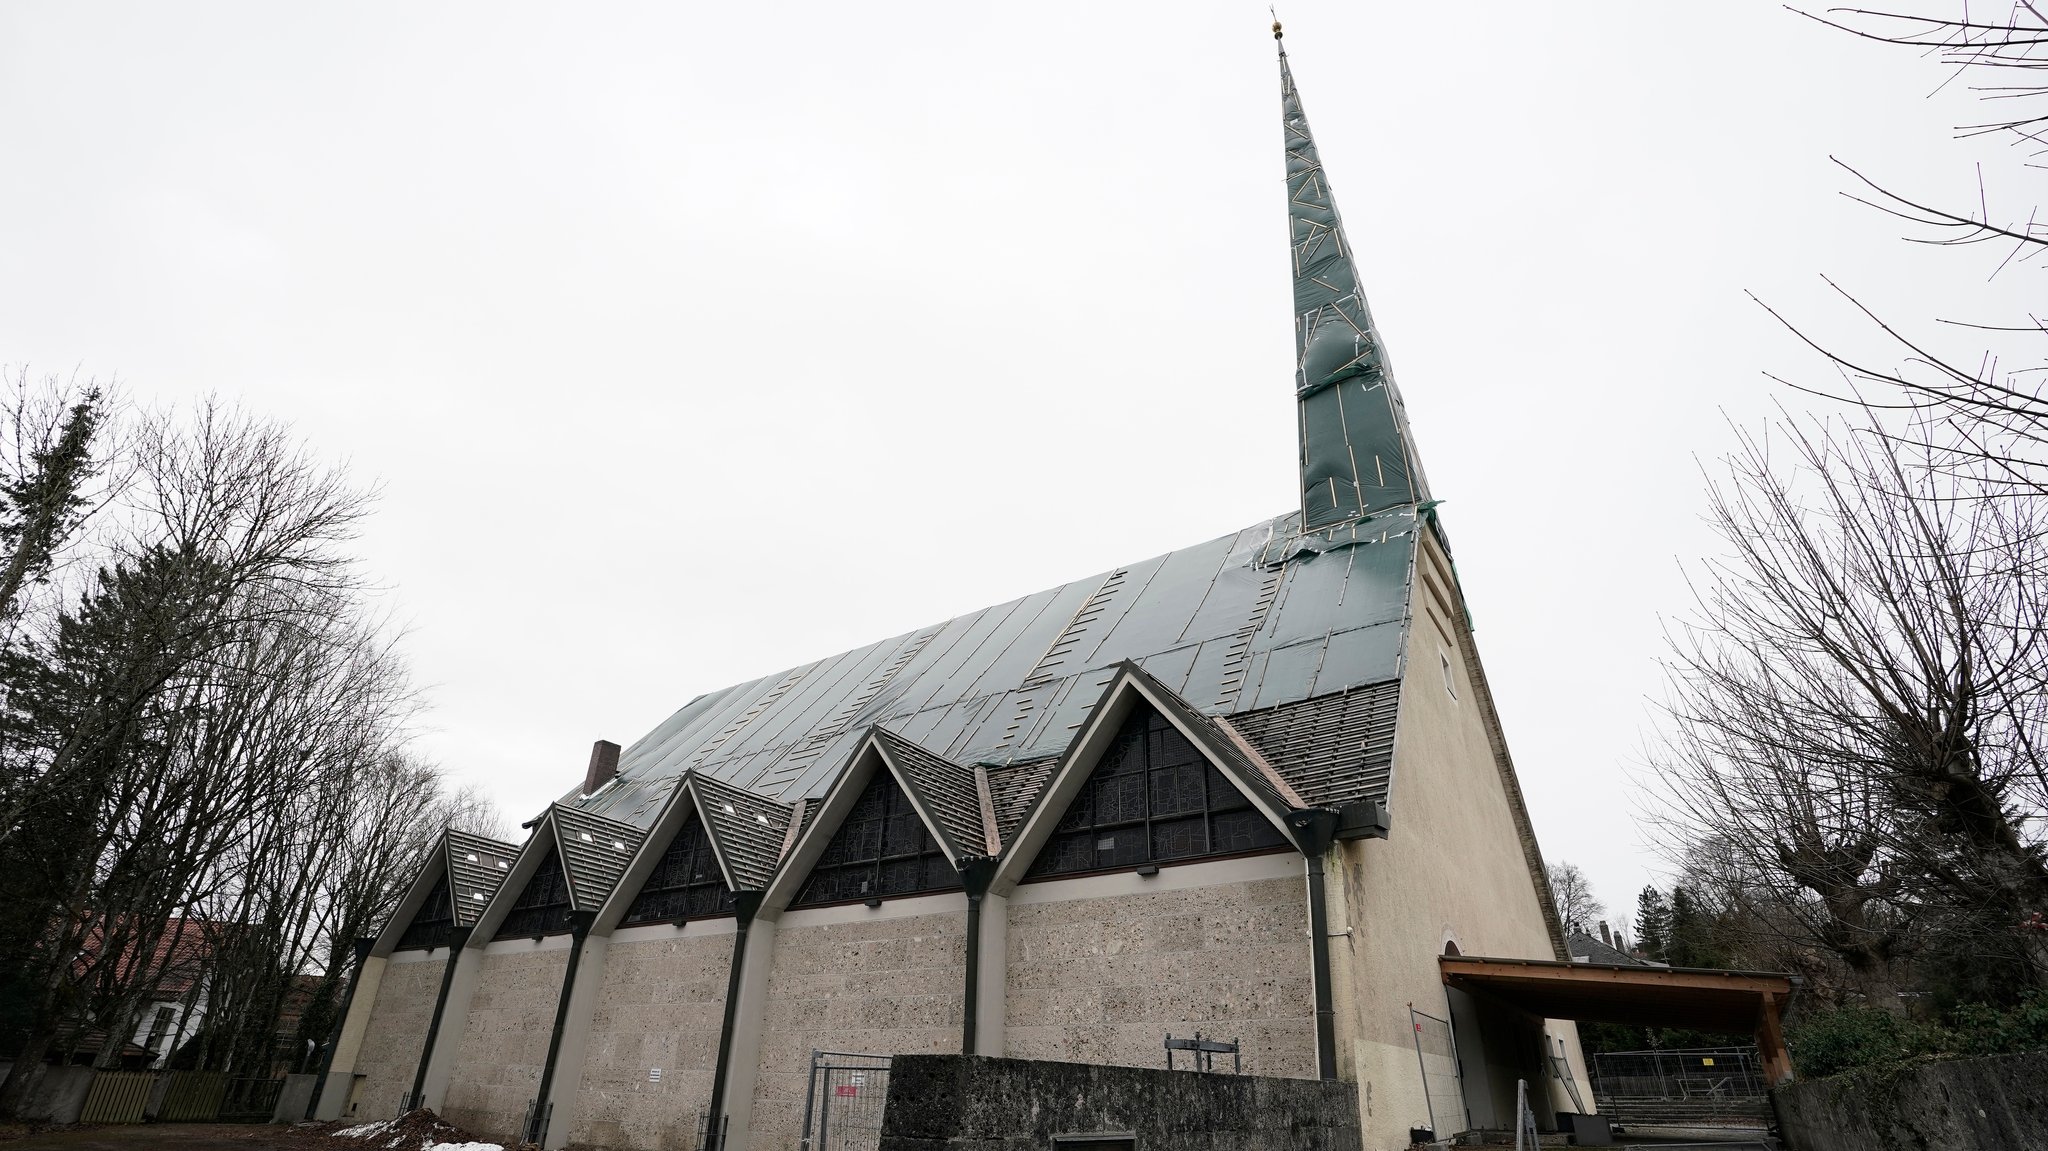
(1254, 788)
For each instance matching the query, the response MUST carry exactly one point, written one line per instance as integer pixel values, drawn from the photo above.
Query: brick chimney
(604, 765)
(1604, 936)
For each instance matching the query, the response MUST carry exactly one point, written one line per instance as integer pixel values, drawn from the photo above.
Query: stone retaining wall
(1998, 1101)
(940, 1102)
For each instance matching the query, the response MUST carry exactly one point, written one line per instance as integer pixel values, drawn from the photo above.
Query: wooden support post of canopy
(1770, 1042)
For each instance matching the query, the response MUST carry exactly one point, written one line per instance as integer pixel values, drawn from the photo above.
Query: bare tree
(1573, 894)
(1855, 704)
(1974, 408)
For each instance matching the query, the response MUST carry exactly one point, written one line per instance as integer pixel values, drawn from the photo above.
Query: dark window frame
(542, 907)
(666, 898)
(1142, 792)
(904, 859)
(429, 932)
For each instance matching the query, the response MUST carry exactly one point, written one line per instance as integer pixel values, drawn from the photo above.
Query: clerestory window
(883, 849)
(543, 907)
(685, 882)
(432, 923)
(1154, 798)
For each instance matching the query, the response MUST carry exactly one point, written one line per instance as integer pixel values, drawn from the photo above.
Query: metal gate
(843, 1109)
(1436, 1055)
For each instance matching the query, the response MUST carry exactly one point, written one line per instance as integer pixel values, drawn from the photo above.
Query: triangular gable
(542, 903)
(432, 923)
(882, 848)
(477, 867)
(868, 818)
(1153, 797)
(594, 852)
(685, 882)
(947, 792)
(450, 879)
(748, 831)
(1128, 690)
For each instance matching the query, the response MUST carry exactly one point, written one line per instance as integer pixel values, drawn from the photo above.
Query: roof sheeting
(1244, 622)
(595, 852)
(749, 831)
(477, 867)
(947, 789)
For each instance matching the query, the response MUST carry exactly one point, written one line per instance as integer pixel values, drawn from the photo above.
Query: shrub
(1850, 1037)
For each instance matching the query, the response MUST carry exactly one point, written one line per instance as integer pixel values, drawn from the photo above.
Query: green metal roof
(1291, 609)
(1244, 622)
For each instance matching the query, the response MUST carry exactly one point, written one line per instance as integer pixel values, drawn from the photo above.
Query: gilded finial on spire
(1276, 22)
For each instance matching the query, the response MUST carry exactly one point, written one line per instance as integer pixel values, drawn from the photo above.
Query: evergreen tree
(1653, 924)
(1689, 934)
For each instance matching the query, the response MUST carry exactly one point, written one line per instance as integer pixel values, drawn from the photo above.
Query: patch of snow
(364, 1131)
(432, 1146)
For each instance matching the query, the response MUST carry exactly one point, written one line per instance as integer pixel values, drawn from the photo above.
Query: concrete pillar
(992, 998)
(341, 1072)
(748, 1018)
(454, 1027)
(568, 1084)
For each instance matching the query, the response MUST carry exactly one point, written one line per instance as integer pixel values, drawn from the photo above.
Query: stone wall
(878, 984)
(661, 1004)
(1102, 980)
(969, 1101)
(395, 1035)
(58, 1093)
(504, 1039)
(1998, 1101)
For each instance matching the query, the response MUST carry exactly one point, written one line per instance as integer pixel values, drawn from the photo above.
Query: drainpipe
(1314, 830)
(458, 938)
(348, 998)
(579, 931)
(975, 875)
(745, 905)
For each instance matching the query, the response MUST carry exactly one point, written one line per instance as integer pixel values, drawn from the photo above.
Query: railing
(250, 1100)
(1700, 1085)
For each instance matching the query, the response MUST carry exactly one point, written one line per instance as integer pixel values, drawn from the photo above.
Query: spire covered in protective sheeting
(1357, 457)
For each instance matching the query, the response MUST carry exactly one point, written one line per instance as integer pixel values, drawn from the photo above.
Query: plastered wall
(879, 983)
(1103, 979)
(390, 1053)
(504, 1038)
(660, 1005)
(1453, 869)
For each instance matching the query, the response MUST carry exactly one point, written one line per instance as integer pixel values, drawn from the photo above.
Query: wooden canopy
(1735, 1002)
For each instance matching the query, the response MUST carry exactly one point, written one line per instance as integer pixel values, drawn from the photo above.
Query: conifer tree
(1653, 923)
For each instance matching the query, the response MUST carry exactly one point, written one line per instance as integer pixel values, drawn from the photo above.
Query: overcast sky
(689, 343)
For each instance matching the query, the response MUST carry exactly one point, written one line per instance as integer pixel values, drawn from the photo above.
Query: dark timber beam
(745, 905)
(579, 932)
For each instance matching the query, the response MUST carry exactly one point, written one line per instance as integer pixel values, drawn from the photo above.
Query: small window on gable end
(1450, 681)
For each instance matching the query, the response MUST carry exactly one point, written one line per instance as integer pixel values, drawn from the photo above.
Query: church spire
(1357, 457)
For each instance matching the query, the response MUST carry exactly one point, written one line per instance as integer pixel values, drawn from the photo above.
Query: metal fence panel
(1436, 1054)
(117, 1097)
(843, 1110)
(249, 1100)
(1712, 1085)
(193, 1096)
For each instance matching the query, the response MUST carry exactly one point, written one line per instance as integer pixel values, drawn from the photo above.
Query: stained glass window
(1154, 798)
(543, 908)
(685, 882)
(430, 926)
(883, 849)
